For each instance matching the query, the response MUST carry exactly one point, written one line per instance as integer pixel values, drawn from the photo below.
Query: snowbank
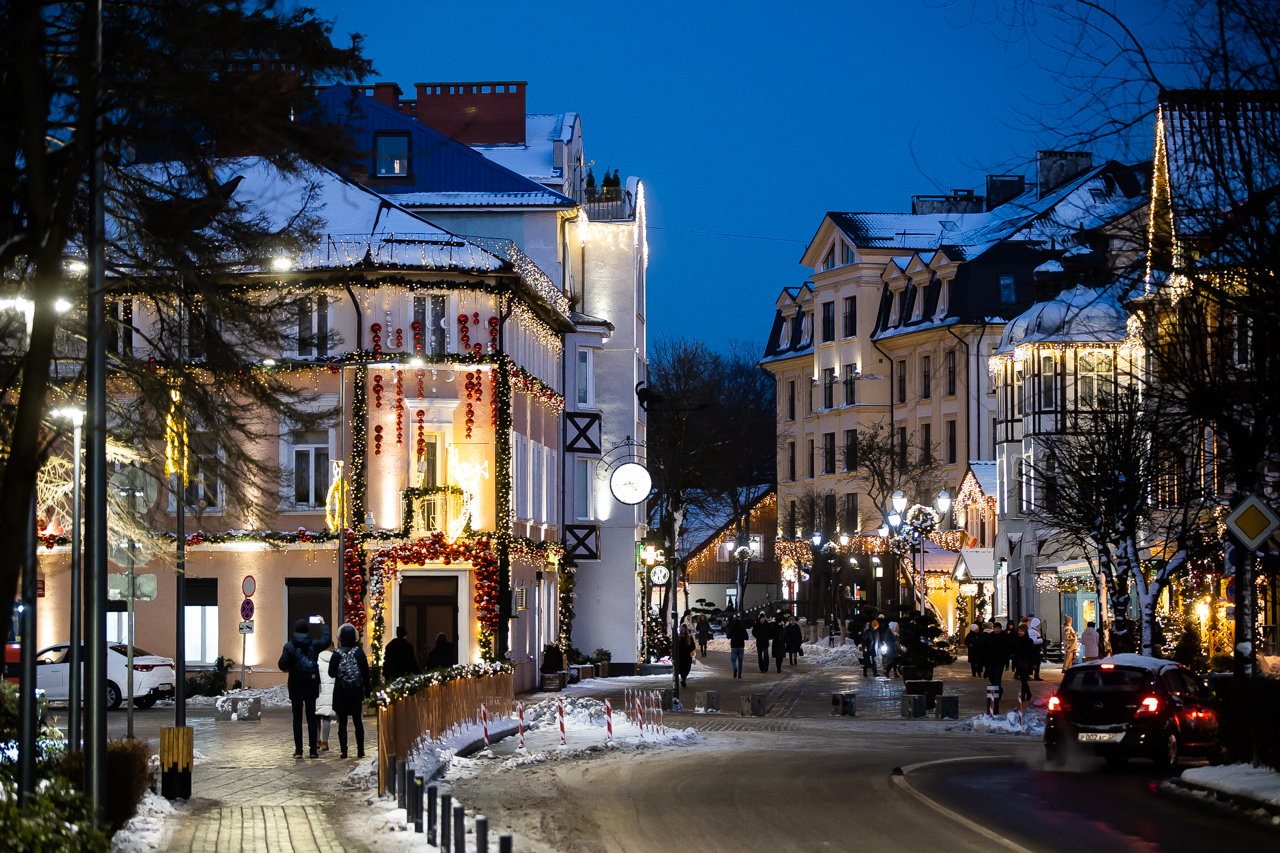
(272, 697)
(1007, 724)
(149, 829)
(1241, 780)
(822, 655)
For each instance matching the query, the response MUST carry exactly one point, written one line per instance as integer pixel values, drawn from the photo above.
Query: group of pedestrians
(340, 676)
(777, 638)
(880, 645)
(992, 649)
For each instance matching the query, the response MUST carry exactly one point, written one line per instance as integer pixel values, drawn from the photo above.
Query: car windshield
(1098, 680)
(137, 652)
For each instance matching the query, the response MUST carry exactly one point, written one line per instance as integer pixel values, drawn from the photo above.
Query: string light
(175, 445)
(333, 509)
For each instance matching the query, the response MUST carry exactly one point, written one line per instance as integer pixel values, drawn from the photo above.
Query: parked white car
(152, 675)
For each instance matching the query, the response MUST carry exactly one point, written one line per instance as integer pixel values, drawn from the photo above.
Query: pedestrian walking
(300, 658)
(891, 654)
(795, 639)
(1069, 643)
(684, 653)
(1024, 659)
(995, 656)
(870, 640)
(350, 671)
(399, 659)
(737, 645)
(762, 633)
(1089, 640)
(1037, 640)
(779, 643)
(441, 655)
(704, 634)
(973, 645)
(324, 702)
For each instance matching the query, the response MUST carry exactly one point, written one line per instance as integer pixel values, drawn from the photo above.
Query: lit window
(310, 467)
(392, 155)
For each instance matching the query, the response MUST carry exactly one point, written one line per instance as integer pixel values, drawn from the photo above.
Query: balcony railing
(430, 511)
(603, 204)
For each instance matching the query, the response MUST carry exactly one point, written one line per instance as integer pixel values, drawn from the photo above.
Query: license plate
(1099, 737)
(168, 686)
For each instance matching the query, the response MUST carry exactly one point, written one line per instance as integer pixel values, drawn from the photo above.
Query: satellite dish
(134, 488)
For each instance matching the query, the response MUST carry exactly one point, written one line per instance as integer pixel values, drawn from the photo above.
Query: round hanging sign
(659, 575)
(630, 483)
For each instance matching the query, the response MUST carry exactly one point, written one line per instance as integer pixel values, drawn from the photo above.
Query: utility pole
(179, 501)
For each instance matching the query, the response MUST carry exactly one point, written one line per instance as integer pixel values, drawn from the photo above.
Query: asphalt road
(831, 790)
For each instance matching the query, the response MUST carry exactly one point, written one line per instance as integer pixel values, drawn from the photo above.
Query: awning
(976, 564)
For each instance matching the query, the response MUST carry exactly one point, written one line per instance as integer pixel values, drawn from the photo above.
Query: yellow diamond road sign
(1252, 522)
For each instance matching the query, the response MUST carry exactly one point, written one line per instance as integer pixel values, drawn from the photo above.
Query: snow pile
(197, 757)
(718, 644)
(1241, 780)
(1032, 724)
(148, 829)
(821, 655)
(272, 697)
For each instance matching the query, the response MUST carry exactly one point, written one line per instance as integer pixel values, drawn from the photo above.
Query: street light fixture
(944, 502)
(844, 539)
(895, 519)
(899, 501)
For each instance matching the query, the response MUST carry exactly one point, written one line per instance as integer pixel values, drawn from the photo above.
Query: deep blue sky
(750, 118)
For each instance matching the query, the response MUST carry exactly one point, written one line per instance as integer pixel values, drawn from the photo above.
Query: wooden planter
(553, 681)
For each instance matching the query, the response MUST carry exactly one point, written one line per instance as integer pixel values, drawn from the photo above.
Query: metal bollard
(402, 768)
(432, 791)
(391, 775)
(446, 812)
(459, 830)
(417, 803)
(410, 780)
(504, 844)
(482, 834)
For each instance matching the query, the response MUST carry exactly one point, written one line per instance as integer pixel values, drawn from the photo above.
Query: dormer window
(391, 155)
(944, 298)
(829, 262)
(917, 310)
(848, 253)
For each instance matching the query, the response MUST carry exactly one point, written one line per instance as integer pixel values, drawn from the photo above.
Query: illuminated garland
(524, 381)
(566, 581)
(407, 686)
(272, 537)
(408, 496)
(708, 553)
(951, 540)
(540, 329)
(801, 550)
(359, 444)
(520, 548)
(353, 583)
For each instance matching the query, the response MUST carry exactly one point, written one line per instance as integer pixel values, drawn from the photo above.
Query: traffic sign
(1231, 591)
(246, 627)
(248, 586)
(144, 587)
(1252, 521)
(246, 609)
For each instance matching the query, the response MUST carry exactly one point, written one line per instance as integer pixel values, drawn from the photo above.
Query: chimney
(959, 201)
(474, 113)
(1003, 188)
(387, 93)
(1055, 168)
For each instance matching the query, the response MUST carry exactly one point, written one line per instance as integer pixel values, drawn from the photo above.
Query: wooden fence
(437, 709)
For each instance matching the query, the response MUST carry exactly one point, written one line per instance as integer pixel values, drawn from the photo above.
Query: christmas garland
(524, 381)
(520, 547)
(353, 581)
(567, 580)
(402, 688)
(359, 444)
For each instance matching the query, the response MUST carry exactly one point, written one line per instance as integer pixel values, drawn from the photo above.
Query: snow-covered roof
(536, 158)
(978, 563)
(1141, 662)
(984, 471)
(481, 199)
(1078, 315)
(356, 224)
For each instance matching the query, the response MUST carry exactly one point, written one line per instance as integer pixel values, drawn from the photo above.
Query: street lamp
(76, 416)
(899, 501)
(913, 527)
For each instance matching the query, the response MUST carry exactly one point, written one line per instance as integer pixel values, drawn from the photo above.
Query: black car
(1129, 705)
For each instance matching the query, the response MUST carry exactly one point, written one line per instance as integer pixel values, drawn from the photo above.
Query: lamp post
(76, 416)
(914, 530)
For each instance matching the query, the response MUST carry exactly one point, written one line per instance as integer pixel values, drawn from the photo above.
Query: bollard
(402, 767)
(560, 713)
(484, 721)
(410, 785)
(948, 707)
(446, 813)
(176, 751)
(417, 804)
(993, 696)
(482, 834)
(432, 791)
(390, 787)
(459, 830)
(521, 726)
(639, 718)
(608, 721)
(504, 844)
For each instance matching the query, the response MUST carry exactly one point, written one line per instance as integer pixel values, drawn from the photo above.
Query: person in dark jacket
(779, 643)
(300, 659)
(684, 654)
(1024, 660)
(737, 645)
(973, 643)
(870, 640)
(995, 656)
(892, 653)
(762, 633)
(399, 660)
(794, 639)
(703, 633)
(441, 654)
(349, 669)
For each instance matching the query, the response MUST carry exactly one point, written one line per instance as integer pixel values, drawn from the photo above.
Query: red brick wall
(471, 115)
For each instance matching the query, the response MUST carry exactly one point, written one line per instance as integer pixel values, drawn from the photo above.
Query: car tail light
(1108, 666)
(1055, 705)
(1150, 705)
(143, 667)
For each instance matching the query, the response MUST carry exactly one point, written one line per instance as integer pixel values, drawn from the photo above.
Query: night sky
(751, 118)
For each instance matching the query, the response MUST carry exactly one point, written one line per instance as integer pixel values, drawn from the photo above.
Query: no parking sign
(246, 609)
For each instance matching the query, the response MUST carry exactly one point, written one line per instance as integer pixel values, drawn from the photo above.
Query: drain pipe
(359, 316)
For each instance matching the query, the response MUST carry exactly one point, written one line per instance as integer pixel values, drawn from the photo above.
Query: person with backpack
(300, 659)
(350, 670)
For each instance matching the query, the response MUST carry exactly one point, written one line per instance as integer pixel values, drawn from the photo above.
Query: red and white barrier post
(520, 705)
(484, 721)
(608, 720)
(992, 693)
(640, 715)
(560, 712)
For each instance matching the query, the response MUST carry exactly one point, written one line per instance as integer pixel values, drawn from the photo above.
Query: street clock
(630, 483)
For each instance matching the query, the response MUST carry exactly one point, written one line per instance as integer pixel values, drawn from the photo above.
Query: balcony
(605, 204)
(430, 510)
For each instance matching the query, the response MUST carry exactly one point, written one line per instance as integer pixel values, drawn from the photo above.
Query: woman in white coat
(324, 704)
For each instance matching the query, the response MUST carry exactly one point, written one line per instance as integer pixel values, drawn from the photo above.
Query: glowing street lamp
(899, 501)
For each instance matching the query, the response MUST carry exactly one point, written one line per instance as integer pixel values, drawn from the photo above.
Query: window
(829, 262)
(926, 389)
(848, 253)
(951, 442)
(538, 512)
(586, 377)
(849, 384)
(391, 152)
(991, 374)
(1243, 339)
(201, 613)
(829, 519)
(902, 448)
(1046, 382)
(1093, 375)
(993, 438)
(120, 327)
(926, 444)
(310, 467)
(202, 485)
(951, 373)
(426, 461)
(428, 324)
(828, 453)
(902, 382)
(902, 306)
(851, 450)
(850, 522)
(791, 400)
(829, 388)
(828, 322)
(1017, 390)
(582, 472)
(850, 316)
(1008, 292)
(791, 460)
(313, 326)
(810, 459)
(1024, 484)
(792, 521)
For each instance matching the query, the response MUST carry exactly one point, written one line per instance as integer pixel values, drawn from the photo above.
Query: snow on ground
(1007, 724)
(149, 829)
(272, 697)
(1258, 783)
(821, 655)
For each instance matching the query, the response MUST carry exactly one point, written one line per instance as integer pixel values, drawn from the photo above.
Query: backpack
(349, 670)
(305, 664)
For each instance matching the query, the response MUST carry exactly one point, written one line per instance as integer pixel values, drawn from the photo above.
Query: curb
(1237, 805)
(477, 745)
